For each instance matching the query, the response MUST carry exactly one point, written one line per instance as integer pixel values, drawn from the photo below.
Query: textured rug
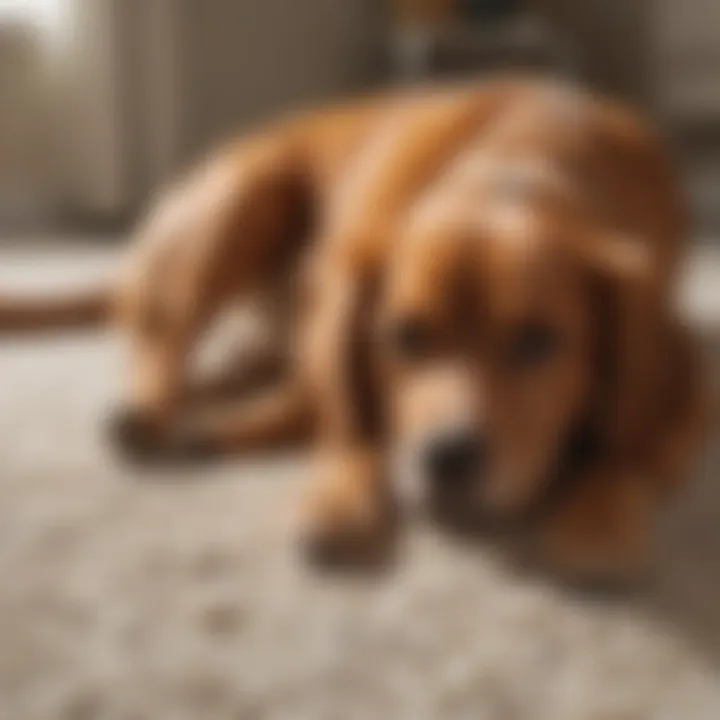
(178, 595)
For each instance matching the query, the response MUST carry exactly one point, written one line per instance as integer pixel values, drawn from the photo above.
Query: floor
(178, 595)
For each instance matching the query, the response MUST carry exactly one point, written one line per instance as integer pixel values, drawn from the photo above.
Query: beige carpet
(178, 596)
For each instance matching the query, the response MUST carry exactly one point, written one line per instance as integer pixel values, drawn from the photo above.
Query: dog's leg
(257, 402)
(224, 234)
(277, 416)
(253, 370)
(347, 513)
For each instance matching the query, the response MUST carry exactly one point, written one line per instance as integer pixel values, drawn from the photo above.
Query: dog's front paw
(185, 446)
(140, 442)
(347, 518)
(133, 438)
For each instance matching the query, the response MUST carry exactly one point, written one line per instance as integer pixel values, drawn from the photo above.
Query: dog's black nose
(454, 456)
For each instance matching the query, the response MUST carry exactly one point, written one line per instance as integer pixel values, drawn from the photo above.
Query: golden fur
(499, 257)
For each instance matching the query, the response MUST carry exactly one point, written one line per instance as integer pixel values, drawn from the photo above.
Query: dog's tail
(87, 308)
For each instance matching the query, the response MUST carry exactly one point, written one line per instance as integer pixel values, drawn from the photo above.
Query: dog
(472, 291)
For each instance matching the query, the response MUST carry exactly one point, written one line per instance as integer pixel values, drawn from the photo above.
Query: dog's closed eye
(534, 343)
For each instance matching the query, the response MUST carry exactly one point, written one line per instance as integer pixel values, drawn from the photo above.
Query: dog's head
(506, 325)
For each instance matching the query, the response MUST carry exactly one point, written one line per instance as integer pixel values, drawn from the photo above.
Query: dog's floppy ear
(628, 312)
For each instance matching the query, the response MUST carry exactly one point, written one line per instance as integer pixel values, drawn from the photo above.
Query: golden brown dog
(479, 282)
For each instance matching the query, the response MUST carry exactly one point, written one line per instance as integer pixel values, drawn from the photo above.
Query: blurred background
(102, 100)
(177, 595)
